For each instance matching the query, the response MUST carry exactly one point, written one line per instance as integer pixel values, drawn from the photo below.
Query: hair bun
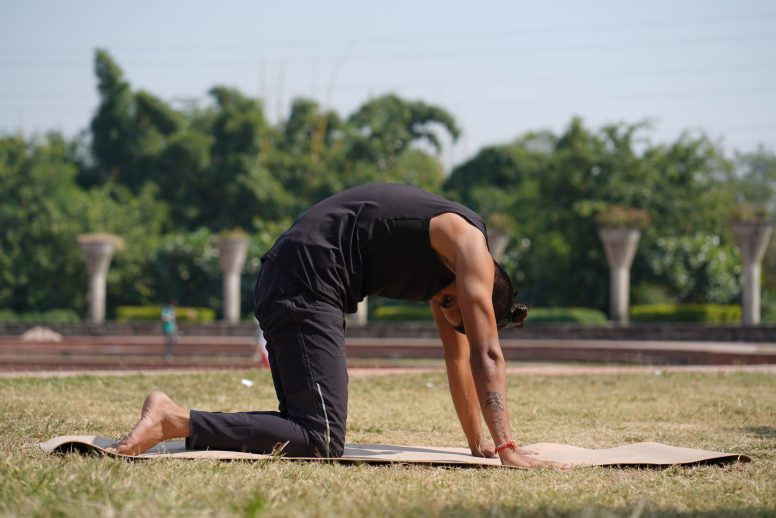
(518, 314)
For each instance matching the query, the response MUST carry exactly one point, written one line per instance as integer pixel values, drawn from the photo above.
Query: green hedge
(399, 312)
(565, 316)
(710, 313)
(59, 316)
(769, 306)
(182, 314)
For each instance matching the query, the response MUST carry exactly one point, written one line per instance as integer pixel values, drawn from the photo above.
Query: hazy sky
(501, 68)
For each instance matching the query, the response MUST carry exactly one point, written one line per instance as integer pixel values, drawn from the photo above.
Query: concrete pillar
(98, 250)
(231, 258)
(498, 244)
(752, 240)
(361, 317)
(620, 245)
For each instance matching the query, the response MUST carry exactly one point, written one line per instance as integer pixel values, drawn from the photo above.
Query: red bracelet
(509, 444)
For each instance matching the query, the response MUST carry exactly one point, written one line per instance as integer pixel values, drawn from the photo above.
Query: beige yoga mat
(638, 454)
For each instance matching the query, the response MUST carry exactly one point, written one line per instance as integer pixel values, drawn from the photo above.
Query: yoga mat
(638, 454)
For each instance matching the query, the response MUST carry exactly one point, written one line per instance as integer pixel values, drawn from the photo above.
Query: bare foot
(161, 419)
(516, 458)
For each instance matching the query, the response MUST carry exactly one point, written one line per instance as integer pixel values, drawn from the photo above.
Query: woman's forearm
(489, 372)
(465, 400)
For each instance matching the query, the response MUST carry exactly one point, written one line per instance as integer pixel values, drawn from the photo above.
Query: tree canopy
(168, 177)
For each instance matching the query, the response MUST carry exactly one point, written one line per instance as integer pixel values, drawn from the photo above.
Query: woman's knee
(329, 447)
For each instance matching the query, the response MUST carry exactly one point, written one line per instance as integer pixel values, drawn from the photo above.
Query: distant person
(389, 240)
(170, 329)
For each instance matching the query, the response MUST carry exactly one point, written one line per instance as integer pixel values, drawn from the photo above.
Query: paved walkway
(538, 369)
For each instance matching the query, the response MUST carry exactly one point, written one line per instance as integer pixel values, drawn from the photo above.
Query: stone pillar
(361, 317)
(98, 250)
(752, 240)
(498, 244)
(231, 258)
(620, 245)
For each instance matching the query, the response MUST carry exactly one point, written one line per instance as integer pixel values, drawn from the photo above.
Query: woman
(380, 239)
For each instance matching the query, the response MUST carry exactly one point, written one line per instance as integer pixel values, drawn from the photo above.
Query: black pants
(306, 348)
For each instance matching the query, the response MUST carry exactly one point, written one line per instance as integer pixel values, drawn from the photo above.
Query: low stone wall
(672, 331)
(131, 329)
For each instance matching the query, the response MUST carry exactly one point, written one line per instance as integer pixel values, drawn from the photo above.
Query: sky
(501, 68)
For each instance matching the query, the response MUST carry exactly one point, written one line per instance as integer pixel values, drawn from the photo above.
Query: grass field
(728, 412)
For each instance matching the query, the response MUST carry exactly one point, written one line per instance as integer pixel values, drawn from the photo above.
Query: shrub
(182, 314)
(618, 216)
(402, 312)
(61, 316)
(185, 268)
(58, 316)
(565, 315)
(751, 213)
(698, 268)
(769, 305)
(710, 313)
(406, 312)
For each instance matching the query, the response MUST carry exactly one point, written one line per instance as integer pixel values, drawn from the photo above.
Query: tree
(222, 165)
(113, 143)
(754, 187)
(385, 128)
(139, 219)
(42, 211)
(38, 261)
(553, 186)
(181, 172)
(308, 154)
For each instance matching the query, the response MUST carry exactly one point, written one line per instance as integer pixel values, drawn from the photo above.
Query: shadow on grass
(761, 432)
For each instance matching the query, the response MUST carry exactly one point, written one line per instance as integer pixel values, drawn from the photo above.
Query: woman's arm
(463, 246)
(462, 389)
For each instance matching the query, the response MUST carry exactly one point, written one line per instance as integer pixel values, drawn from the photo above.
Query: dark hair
(509, 313)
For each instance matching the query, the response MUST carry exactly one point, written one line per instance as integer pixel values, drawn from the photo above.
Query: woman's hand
(483, 448)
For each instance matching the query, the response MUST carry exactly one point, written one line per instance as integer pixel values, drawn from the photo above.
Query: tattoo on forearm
(495, 403)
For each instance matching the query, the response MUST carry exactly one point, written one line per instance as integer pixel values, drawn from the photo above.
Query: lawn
(727, 412)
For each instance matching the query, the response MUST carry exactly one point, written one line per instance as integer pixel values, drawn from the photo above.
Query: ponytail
(509, 313)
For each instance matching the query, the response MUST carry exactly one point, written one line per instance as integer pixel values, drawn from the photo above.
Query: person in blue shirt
(170, 329)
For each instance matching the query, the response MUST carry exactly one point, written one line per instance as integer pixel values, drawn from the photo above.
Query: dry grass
(729, 412)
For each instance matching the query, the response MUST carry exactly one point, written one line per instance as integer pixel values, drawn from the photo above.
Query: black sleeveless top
(368, 240)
